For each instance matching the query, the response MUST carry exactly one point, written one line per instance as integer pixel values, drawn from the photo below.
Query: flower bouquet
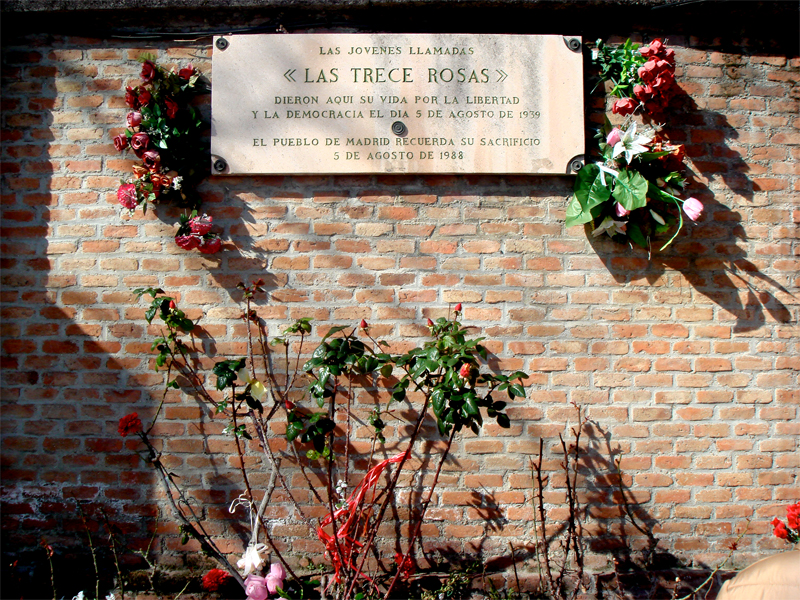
(165, 132)
(634, 190)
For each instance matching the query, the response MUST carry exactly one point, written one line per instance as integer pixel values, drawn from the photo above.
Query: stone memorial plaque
(396, 103)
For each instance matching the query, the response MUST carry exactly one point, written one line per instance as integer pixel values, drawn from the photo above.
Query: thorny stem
(543, 519)
(389, 490)
(424, 508)
(115, 553)
(239, 446)
(91, 549)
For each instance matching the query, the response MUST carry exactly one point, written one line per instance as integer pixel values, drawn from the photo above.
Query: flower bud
(172, 305)
(363, 324)
(430, 323)
(458, 308)
(465, 370)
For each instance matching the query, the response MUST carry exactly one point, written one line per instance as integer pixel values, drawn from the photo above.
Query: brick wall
(686, 362)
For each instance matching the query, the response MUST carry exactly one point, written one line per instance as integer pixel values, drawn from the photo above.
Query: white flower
(79, 596)
(630, 144)
(610, 226)
(257, 389)
(176, 182)
(251, 561)
(603, 170)
(110, 597)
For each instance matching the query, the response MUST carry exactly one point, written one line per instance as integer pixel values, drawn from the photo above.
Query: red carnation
(200, 225)
(215, 579)
(623, 106)
(129, 424)
(148, 71)
(780, 529)
(210, 246)
(187, 242)
(126, 194)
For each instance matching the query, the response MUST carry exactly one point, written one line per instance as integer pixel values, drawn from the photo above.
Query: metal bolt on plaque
(222, 43)
(399, 129)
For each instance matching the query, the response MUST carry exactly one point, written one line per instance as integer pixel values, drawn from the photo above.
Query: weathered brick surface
(685, 361)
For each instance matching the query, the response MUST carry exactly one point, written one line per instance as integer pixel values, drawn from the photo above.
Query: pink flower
(620, 210)
(187, 242)
(210, 246)
(256, 587)
(648, 71)
(148, 71)
(134, 118)
(465, 370)
(126, 194)
(121, 142)
(200, 225)
(275, 577)
(623, 106)
(614, 136)
(139, 141)
(693, 208)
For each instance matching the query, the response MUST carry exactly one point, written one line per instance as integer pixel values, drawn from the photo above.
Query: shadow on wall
(711, 255)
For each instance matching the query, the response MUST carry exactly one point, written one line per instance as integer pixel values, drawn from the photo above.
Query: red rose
(465, 370)
(669, 55)
(647, 72)
(215, 579)
(623, 106)
(151, 160)
(187, 242)
(793, 516)
(210, 246)
(129, 424)
(131, 99)
(159, 181)
(642, 92)
(172, 107)
(186, 73)
(363, 324)
(143, 96)
(200, 225)
(127, 196)
(664, 81)
(148, 71)
(121, 142)
(139, 141)
(134, 118)
(655, 48)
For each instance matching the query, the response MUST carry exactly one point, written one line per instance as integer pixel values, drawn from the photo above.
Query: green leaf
(503, 420)
(471, 406)
(636, 236)
(630, 189)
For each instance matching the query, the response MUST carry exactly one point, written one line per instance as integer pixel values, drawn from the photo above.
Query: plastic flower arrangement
(789, 531)
(643, 78)
(165, 132)
(634, 191)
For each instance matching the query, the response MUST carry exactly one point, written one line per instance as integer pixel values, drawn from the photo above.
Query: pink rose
(126, 194)
(210, 246)
(256, 587)
(187, 242)
(172, 107)
(614, 136)
(623, 106)
(693, 208)
(134, 118)
(620, 210)
(465, 370)
(200, 225)
(151, 160)
(275, 577)
(139, 141)
(148, 71)
(187, 72)
(121, 142)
